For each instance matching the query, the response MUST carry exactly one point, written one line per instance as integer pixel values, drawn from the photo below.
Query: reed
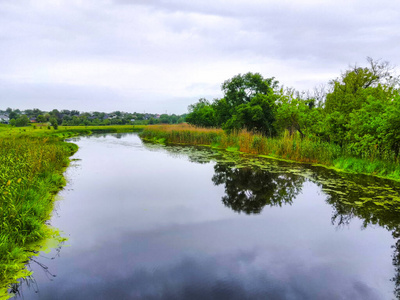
(287, 146)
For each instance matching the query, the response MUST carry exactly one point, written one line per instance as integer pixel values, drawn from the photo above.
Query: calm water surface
(154, 222)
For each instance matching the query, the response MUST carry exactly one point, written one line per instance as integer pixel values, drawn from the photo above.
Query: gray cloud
(172, 45)
(232, 277)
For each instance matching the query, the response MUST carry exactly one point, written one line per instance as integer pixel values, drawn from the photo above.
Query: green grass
(32, 162)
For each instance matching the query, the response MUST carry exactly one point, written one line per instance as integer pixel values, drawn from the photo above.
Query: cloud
(231, 277)
(171, 45)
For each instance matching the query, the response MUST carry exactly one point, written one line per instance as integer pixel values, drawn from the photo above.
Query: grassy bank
(32, 162)
(288, 147)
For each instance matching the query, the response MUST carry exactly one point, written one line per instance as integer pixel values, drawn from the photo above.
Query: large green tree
(240, 89)
(351, 91)
(255, 115)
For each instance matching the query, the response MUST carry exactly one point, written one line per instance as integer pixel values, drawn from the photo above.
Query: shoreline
(286, 148)
(32, 175)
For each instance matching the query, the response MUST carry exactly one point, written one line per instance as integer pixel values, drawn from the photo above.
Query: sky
(159, 56)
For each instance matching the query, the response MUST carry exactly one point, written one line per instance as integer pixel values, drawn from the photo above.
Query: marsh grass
(32, 162)
(287, 146)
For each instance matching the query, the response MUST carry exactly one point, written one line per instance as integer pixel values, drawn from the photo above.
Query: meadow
(286, 146)
(32, 162)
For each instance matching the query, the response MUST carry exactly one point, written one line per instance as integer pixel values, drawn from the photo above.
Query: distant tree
(12, 122)
(40, 119)
(13, 115)
(153, 121)
(54, 122)
(164, 118)
(23, 120)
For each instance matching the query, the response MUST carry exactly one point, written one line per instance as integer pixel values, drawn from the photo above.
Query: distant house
(32, 120)
(4, 119)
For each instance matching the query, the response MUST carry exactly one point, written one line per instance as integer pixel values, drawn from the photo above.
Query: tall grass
(30, 175)
(32, 161)
(287, 146)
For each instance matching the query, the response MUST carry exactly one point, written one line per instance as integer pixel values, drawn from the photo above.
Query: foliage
(256, 115)
(352, 92)
(201, 114)
(23, 120)
(248, 103)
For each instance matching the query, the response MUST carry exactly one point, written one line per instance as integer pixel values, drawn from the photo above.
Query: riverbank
(32, 163)
(287, 147)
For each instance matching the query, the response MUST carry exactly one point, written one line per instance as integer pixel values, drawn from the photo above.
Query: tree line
(75, 118)
(359, 110)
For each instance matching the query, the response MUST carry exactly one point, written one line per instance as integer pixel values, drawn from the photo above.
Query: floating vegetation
(286, 148)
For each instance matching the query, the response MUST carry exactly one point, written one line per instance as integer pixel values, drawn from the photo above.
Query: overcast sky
(160, 56)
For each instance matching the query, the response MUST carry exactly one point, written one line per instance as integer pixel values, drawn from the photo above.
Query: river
(149, 221)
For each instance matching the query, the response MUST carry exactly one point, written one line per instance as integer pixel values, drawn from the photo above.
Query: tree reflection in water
(248, 190)
(371, 199)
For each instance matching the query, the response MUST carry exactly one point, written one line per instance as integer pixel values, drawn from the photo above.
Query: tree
(294, 113)
(240, 89)
(351, 91)
(164, 119)
(256, 115)
(348, 91)
(40, 119)
(23, 120)
(54, 122)
(201, 114)
(13, 115)
(222, 111)
(249, 101)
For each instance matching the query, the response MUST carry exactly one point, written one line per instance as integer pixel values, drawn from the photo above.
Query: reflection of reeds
(287, 146)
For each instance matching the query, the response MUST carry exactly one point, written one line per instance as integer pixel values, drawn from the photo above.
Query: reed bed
(287, 146)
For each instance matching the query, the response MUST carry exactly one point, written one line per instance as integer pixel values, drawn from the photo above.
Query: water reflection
(248, 189)
(379, 207)
(53, 245)
(155, 228)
